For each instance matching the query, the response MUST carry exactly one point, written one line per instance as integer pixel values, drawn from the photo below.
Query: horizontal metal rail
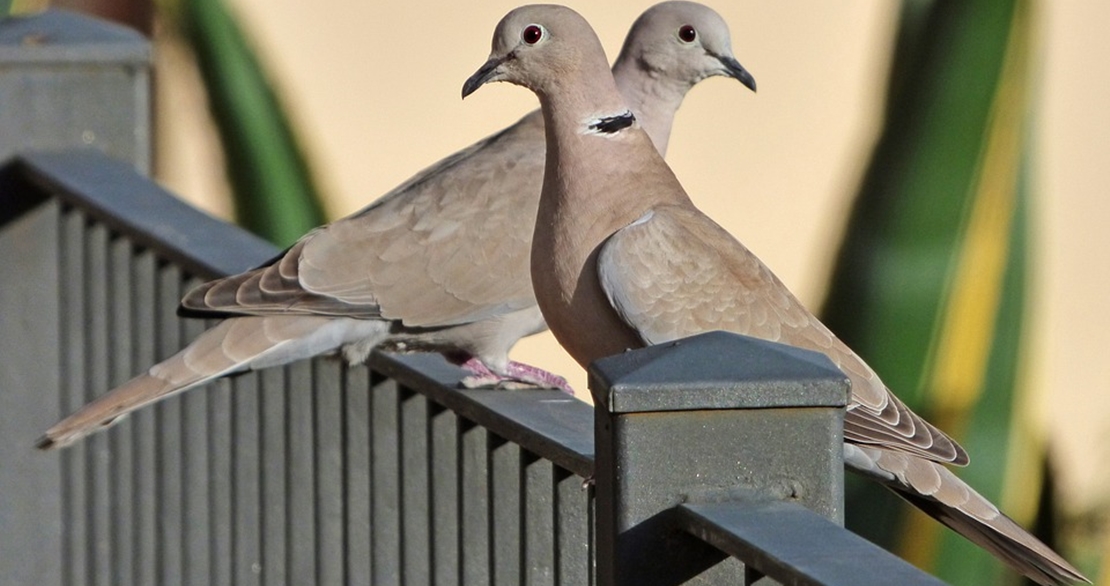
(767, 536)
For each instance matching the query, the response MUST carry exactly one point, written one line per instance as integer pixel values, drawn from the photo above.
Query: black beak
(484, 73)
(737, 71)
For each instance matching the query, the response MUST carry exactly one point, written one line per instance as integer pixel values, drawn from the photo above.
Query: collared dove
(622, 259)
(439, 263)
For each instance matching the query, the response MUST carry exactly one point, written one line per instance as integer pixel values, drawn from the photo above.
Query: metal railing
(318, 473)
(709, 452)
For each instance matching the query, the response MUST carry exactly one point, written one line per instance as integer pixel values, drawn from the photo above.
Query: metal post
(65, 81)
(712, 418)
(68, 80)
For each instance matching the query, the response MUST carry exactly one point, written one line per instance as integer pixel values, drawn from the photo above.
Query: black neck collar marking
(613, 124)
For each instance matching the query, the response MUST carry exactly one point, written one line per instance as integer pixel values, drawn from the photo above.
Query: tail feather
(1004, 539)
(943, 496)
(233, 345)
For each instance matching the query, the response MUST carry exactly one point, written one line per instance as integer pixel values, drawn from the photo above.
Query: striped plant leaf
(929, 284)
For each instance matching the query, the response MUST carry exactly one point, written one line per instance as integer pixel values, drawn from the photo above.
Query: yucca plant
(930, 282)
(275, 195)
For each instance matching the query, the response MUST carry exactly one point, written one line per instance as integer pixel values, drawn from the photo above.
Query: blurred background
(932, 175)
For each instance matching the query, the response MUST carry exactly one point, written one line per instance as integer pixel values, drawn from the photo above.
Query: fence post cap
(63, 35)
(717, 370)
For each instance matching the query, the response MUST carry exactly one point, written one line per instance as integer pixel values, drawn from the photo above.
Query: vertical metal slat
(474, 505)
(246, 465)
(74, 493)
(170, 477)
(194, 449)
(301, 528)
(445, 496)
(327, 392)
(356, 472)
(572, 529)
(120, 369)
(97, 460)
(143, 431)
(220, 474)
(274, 456)
(385, 462)
(505, 474)
(539, 521)
(415, 491)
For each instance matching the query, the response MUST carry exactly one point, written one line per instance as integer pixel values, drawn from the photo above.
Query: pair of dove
(620, 258)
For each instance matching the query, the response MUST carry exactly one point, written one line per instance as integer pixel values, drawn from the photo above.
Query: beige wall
(374, 89)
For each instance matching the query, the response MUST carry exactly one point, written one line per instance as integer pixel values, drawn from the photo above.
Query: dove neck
(653, 96)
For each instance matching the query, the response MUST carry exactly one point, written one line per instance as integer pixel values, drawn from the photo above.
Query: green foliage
(929, 284)
(275, 195)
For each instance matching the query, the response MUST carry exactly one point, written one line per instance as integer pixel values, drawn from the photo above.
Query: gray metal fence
(706, 450)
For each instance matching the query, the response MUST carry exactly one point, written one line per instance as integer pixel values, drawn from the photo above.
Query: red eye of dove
(532, 34)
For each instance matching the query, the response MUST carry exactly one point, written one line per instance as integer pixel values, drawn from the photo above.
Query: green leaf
(275, 195)
(929, 285)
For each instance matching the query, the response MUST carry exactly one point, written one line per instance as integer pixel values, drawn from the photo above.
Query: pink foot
(516, 376)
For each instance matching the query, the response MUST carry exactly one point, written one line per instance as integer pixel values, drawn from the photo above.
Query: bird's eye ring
(532, 34)
(687, 33)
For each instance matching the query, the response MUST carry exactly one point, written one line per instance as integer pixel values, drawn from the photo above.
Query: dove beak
(486, 73)
(736, 71)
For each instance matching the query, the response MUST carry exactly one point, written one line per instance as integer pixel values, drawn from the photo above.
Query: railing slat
(358, 493)
(221, 472)
(247, 458)
(415, 490)
(573, 538)
(122, 468)
(539, 521)
(74, 493)
(445, 496)
(196, 438)
(170, 464)
(474, 506)
(96, 383)
(542, 421)
(327, 391)
(275, 548)
(505, 498)
(143, 430)
(385, 461)
(301, 498)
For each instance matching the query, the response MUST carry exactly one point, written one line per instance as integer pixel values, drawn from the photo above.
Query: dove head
(681, 43)
(545, 48)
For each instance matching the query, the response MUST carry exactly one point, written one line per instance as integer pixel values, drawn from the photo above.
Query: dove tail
(110, 408)
(205, 359)
(1002, 537)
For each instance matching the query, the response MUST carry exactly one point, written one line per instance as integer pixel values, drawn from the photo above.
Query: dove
(440, 263)
(621, 258)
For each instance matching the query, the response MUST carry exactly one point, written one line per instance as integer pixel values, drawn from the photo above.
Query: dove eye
(532, 34)
(687, 33)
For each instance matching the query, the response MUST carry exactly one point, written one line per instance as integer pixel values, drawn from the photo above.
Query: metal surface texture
(68, 80)
(765, 534)
(718, 370)
(315, 473)
(726, 438)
